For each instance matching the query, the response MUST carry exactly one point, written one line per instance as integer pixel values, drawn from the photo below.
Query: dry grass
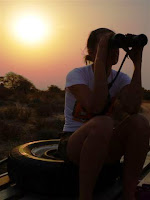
(40, 118)
(29, 117)
(17, 111)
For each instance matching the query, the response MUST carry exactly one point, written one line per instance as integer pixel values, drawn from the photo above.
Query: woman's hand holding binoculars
(132, 44)
(135, 55)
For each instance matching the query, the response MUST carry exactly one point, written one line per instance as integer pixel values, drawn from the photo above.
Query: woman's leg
(133, 135)
(130, 138)
(88, 147)
(135, 154)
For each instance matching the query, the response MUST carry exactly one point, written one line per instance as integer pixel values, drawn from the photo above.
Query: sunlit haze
(43, 40)
(30, 28)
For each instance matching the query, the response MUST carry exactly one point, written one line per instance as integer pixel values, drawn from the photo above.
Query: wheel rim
(41, 152)
(36, 150)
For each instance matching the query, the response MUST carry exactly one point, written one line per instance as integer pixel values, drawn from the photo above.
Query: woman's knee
(101, 127)
(101, 122)
(140, 124)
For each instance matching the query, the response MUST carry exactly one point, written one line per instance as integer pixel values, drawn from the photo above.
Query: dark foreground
(9, 190)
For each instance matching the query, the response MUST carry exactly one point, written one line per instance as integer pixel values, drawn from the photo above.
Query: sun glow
(31, 29)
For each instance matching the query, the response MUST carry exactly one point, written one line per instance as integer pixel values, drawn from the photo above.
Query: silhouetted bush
(45, 110)
(24, 112)
(55, 122)
(8, 112)
(54, 89)
(5, 93)
(18, 112)
(10, 131)
(46, 134)
(146, 94)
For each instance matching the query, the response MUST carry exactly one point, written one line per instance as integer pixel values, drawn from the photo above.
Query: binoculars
(124, 41)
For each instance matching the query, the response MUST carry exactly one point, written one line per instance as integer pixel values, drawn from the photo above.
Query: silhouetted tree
(18, 83)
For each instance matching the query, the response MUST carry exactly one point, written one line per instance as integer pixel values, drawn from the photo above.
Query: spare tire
(36, 166)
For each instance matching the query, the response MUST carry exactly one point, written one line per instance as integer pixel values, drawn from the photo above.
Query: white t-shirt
(85, 75)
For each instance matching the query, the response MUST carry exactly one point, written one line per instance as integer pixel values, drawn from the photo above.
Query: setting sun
(30, 28)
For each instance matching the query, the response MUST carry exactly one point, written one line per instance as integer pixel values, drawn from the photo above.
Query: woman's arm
(94, 101)
(131, 95)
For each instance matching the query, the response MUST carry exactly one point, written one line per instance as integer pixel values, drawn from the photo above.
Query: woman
(92, 137)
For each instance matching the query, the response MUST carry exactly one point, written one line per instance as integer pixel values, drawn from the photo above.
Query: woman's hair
(92, 41)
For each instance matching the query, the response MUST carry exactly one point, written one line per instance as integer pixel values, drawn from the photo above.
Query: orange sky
(69, 23)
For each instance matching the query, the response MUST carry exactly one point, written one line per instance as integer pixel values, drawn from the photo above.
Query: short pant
(62, 147)
(64, 137)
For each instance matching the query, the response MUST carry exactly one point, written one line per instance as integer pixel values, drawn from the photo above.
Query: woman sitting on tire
(92, 136)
